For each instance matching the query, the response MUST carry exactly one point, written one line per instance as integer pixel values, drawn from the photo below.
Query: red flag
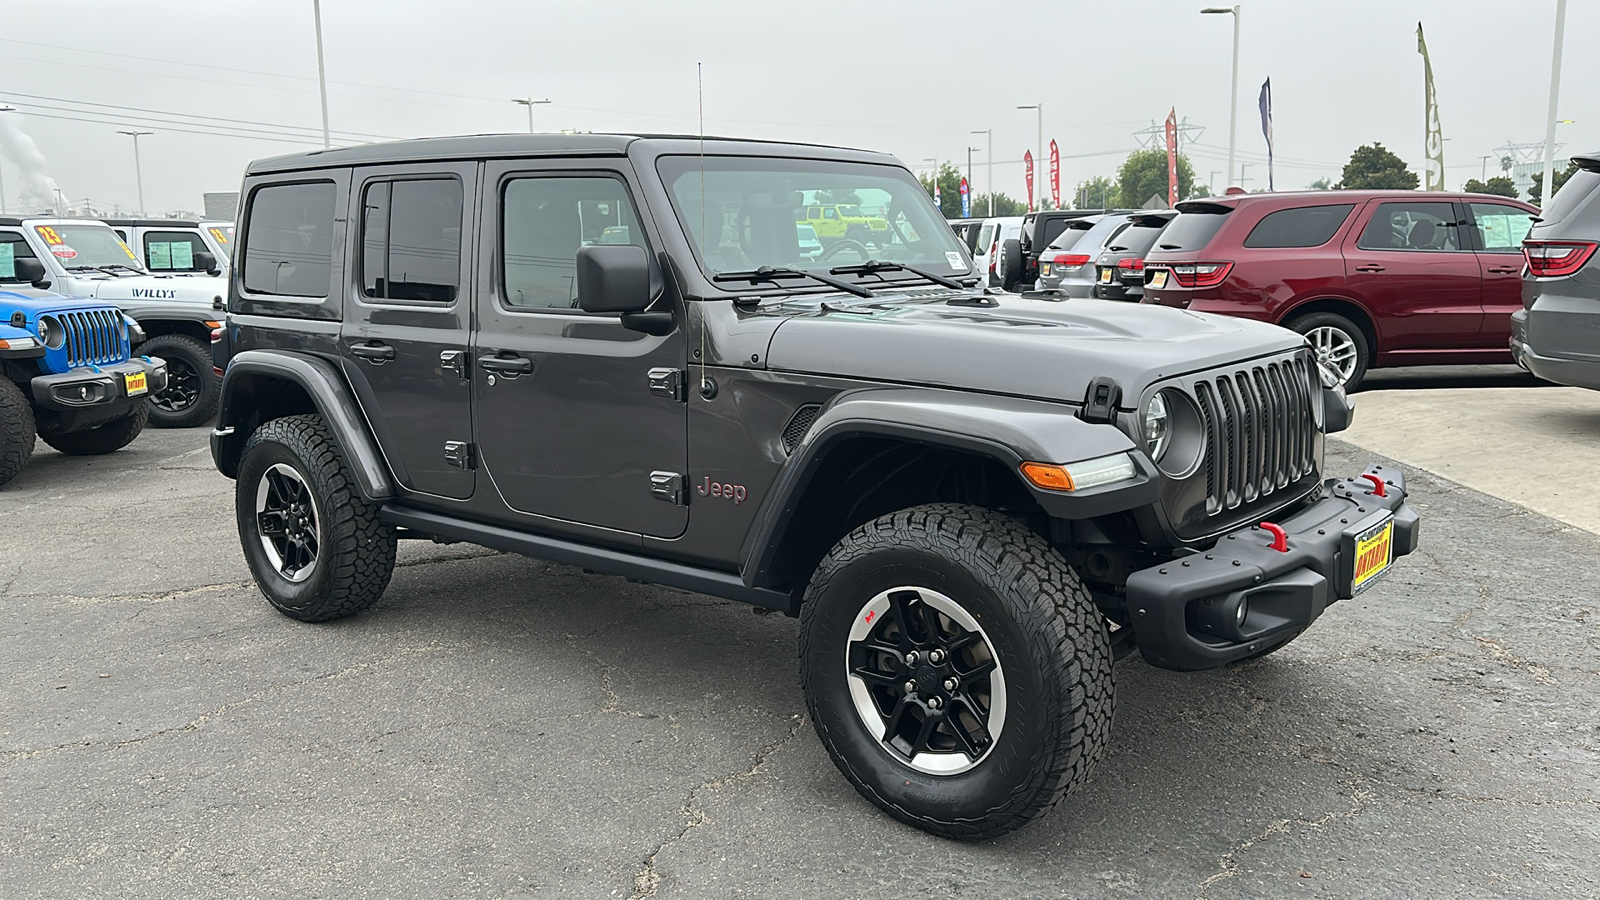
(1055, 175)
(1027, 164)
(1172, 158)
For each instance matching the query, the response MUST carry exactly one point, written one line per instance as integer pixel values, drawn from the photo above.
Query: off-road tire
(1010, 264)
(1045, 631)
(355, 550)
(1358, 338)
(181, 353)
(105, 438)
(17, 431)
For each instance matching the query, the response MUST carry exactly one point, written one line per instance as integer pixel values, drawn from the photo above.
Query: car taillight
(1136, 265)
(1553, 259)
(1201, 274)
(994, 254)
(1068, 259)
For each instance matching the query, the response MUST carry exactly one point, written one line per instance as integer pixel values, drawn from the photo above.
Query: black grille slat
(1260, 431)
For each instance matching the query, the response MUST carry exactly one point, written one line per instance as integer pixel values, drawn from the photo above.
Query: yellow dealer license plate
(1105, 276)
(1158, 278)
(1374, 553)
(135, 383)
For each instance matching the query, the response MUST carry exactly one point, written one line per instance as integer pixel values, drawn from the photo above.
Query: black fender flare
(322, 382)
(1009, 430)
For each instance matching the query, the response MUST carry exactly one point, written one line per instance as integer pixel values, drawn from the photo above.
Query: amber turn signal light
(1049, 477)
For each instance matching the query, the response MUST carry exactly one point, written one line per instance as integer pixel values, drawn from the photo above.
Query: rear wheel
(193, 390)
(956, 669)
(1338, 344)
(313, 543)
(17, 431)
(1010, 264)
(106, 438)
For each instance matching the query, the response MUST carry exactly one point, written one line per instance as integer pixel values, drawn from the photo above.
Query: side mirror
(613, 278)
(207, 261)
(31, 271)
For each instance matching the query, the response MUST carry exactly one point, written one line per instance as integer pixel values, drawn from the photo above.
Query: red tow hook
(1377, 484)
(1280, 538)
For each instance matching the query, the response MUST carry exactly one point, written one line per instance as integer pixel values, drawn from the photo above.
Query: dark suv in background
(1373, 278)
(1556, 335)
(1119, 269)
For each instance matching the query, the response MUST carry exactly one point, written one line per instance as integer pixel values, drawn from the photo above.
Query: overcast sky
(911, 78)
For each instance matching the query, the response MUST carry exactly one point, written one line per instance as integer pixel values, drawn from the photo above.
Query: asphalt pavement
(499, 727)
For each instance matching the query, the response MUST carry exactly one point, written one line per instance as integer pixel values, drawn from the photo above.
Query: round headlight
(1157, 426)
(51, 334)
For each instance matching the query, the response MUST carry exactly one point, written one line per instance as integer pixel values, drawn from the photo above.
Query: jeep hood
(1020, 346)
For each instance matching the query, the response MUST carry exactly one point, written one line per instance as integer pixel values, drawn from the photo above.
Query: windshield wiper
(774, 274)
(109, 270)
(873, 267)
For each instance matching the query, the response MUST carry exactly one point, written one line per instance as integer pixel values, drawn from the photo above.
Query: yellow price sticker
(126, 249)
(50, 235)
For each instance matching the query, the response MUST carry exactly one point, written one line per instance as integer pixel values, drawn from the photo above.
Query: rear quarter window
(289, 240)
(1191, 230)
(1572, 195)
(1305, 226)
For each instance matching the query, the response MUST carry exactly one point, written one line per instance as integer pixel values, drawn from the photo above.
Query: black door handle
(510, 366)
(373, 352)
(1504, 270)
(1369, 268)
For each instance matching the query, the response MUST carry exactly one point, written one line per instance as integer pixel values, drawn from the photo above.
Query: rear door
(1411, 267)
(1497, 233)
(407, 315)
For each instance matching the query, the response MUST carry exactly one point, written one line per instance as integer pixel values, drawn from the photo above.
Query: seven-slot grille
(1260, 430)
(93, 337)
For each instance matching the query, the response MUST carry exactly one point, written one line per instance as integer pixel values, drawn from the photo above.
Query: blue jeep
(66, 376)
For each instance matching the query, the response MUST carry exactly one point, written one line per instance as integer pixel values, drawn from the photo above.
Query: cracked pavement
(500, 727)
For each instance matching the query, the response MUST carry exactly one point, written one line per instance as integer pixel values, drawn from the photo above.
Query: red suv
(1372, 278)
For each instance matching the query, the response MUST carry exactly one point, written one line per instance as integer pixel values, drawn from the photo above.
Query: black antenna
(700, 92)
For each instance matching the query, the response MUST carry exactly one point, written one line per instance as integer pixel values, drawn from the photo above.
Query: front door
(569, 425)
(1412, 268)
(1498, 229)
(406, 315)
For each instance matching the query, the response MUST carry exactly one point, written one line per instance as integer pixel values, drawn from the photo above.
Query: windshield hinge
(668, 486)
(668, 383)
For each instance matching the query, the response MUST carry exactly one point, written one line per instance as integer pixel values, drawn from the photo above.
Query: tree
(1536, 190)
(1376, 168)
(1098, 192)
(1321, 184)
(846, 198)
(1499, 185)
(1144, 175)
(949, 189)
(1004, 205)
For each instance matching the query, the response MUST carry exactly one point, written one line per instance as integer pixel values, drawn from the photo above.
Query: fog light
(1243, 612)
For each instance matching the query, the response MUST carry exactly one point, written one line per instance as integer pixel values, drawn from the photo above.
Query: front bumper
(99, 388)
(1182, 611)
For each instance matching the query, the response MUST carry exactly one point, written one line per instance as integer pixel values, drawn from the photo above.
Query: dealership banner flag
(966, 200)
(1172, 157)
(937, 200)
(1055, 175)
(1266, 125)
(1027, 166)
(1434, 176)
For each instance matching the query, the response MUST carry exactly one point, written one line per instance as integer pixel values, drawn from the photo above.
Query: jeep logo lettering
(734, 492)
(153, 294)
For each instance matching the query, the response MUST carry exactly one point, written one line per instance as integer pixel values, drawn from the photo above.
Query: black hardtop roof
(154, 223)
(512, 145)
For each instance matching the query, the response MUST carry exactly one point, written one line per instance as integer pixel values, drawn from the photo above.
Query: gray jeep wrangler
(609, 351)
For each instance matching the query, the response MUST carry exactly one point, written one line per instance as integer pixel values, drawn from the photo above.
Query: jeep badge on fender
(899, 458)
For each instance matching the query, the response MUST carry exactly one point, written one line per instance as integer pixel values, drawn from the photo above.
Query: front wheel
(106, 438)
(314, 544)
(956, 669)
(1338, 344)
(193, 390)
(17, 430)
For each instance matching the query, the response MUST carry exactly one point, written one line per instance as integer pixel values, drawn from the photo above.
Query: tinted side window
(289, 240)
(1192, 230)
(1411, 226)
(411, 240)
(1052, 230)
(172, 251)
(13, 246)
(545, 221)
(1308, 226)
(1501, 228)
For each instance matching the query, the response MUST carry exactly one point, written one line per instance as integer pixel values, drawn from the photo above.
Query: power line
(278, 127)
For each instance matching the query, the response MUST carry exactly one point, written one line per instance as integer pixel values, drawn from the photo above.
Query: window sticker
(220, 235)
(182, 255)
(50, 235)
(127, 250)
(8, 260)
(62, 251)
(954, 259)
(160, 255)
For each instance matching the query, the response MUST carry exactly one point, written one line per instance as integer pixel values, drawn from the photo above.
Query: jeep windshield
(88, 246)
(740, 215)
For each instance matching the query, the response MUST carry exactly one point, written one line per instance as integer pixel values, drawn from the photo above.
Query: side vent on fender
(799, 424)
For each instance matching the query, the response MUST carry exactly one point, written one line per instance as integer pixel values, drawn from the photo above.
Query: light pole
(1039, 108)
(322, 76)
(1550, 116)
(138, 170)
(1484, 175)
(988, 177)
(1233, 97)
(970, 151)
(4, 109)
(530, 103)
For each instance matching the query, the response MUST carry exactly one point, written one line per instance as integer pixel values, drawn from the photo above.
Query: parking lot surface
(501, 727)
